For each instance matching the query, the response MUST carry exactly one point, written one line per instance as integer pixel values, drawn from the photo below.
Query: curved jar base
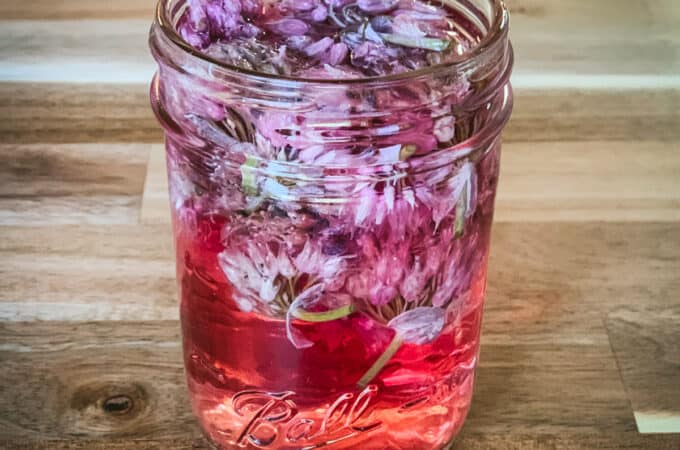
(350, 422)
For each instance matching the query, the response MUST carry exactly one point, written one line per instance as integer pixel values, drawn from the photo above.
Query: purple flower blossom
(443, 199)
(377, 6)
(319, 47)
(382, 24)
(299, 42)
(407, 25)
(299, 5)
(338, 54)
(319, 14)
(381, 270)
(398, 234)
(403, 23)
(375, 58)
(338, 3)
(414, 282)
(250, 7)
(288, 27)
(312, 260)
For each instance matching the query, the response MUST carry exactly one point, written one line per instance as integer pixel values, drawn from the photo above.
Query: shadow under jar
(332, 204)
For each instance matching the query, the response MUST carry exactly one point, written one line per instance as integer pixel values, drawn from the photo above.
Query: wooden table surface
(581, 340)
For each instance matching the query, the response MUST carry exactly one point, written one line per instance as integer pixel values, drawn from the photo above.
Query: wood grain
(608, 441)
(83, 51)
(50, 184)
(155, 199)
(58, 377)
(580, 337)
(87, 273)
(47, 112)
(58, 388)
(547, 365)
(603, 44)
(625, 47)
(589, 181)
(82, 113)
(545, 182)
(646, 341)
(76, 9)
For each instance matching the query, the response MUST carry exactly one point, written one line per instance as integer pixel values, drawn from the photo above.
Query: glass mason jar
(332, 240)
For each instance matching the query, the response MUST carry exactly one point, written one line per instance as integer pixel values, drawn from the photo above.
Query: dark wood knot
(118, 405)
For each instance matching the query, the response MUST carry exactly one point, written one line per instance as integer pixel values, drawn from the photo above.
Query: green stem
(434, 44)
(407, 151)
(291, 290)
(331, 14)
(326, 316)
(382, 360)
(461, 208)
(248, 182)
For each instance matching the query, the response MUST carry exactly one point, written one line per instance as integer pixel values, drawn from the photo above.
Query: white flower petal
(420, 325)
(388, 193)
(365, 206)
(409, 197)
(303, 301)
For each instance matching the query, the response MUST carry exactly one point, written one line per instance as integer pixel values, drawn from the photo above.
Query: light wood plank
(56, 378)
(580, 115)
(589, 181)
(60, 374)
(68, 113)
(603, 44)
(76, 51)
(601, 441)
(155, 200)
(51, 184)
(87, 273)
(615, 47)
(646, 342)
(546, 182)
(121, 113)
(76, 9)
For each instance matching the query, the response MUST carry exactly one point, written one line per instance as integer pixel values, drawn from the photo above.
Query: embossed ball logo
(273, 416)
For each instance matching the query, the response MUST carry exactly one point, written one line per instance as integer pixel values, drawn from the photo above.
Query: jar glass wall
(332, 238)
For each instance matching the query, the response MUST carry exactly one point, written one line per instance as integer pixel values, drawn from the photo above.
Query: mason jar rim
(498, 31)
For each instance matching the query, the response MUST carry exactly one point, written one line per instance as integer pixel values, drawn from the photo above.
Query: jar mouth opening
(497, 31)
